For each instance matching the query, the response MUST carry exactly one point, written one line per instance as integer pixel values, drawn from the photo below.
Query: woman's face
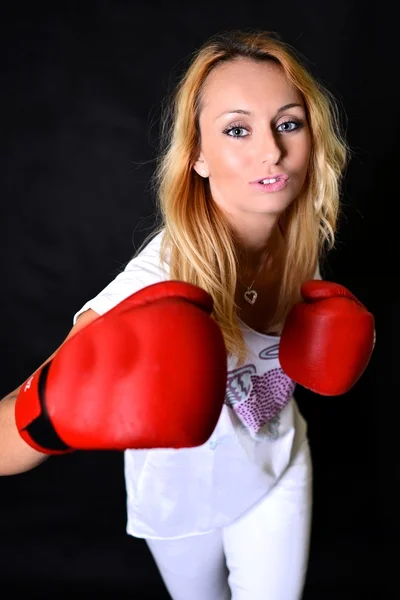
(253, 128)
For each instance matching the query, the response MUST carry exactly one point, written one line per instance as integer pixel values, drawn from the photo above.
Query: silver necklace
(250, 295)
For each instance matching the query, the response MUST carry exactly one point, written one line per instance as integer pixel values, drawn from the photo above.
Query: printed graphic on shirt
(258, 399)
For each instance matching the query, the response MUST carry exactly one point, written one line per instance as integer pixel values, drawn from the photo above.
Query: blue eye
(296, 125)
(235, 131)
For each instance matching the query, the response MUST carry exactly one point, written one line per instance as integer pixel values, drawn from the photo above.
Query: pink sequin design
(267, 395)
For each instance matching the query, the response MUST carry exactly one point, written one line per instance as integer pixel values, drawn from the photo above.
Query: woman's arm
(15, 455)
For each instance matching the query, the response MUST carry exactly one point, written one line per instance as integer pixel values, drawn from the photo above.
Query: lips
(273, 184)
(279, 176)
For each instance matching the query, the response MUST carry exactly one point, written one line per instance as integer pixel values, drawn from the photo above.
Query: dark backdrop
(81, 89)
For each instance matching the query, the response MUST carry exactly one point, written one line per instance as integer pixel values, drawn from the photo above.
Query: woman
(248, 186)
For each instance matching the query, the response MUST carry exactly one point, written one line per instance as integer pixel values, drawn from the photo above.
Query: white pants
(261, 556)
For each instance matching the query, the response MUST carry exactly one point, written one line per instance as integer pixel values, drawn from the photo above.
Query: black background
(81, 90)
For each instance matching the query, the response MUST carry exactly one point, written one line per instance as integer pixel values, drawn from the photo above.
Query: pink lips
(280, 184)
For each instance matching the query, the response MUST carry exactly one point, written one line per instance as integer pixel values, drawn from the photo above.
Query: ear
(201, 167)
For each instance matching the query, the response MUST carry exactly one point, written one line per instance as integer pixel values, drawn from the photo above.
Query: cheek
(227, 159)
(301, 153)
(307, 150)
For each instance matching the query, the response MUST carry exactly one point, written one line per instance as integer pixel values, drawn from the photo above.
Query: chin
(272, 208)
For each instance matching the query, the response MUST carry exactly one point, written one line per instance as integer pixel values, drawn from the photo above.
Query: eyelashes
(234, 128)
(239, 127)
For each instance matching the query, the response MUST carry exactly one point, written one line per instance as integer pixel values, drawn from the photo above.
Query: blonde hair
(197, 236)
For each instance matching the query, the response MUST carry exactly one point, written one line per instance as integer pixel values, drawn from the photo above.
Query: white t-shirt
(173, 493)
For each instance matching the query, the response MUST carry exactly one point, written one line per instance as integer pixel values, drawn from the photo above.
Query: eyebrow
(240, 111)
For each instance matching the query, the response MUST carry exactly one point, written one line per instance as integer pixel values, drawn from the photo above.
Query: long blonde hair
(197, 236)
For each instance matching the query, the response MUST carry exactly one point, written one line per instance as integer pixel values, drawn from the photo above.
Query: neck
(254, 246)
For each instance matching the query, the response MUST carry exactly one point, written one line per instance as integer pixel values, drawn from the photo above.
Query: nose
(271, 152)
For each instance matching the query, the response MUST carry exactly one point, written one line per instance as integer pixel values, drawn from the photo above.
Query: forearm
(15, 455)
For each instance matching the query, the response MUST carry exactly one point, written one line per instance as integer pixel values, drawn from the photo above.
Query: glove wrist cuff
(32, 418)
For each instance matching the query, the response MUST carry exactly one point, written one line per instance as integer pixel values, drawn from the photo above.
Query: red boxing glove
(327, 340)
(150, 373)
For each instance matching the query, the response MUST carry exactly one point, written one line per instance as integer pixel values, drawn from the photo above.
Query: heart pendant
(250, 296)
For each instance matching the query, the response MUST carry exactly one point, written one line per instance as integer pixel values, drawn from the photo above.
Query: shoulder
(144, 269)
(149, 256)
